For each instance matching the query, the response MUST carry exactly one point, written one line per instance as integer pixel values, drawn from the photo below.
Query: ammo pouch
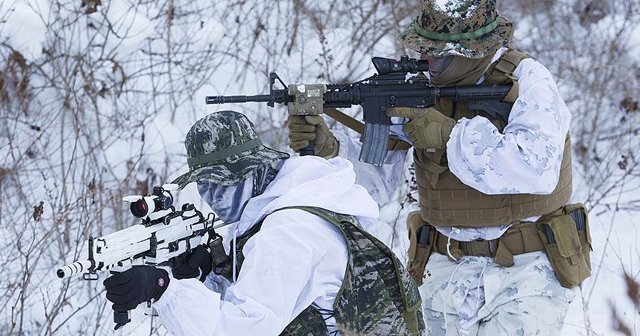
(421, 243)
(565, 236)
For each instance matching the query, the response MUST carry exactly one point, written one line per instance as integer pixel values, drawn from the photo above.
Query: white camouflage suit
(296, 260)
(476, 296)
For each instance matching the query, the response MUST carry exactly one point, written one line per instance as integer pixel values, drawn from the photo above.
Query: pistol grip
(307, 150)
(121, 318)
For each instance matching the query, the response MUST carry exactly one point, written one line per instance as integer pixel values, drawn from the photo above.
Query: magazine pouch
(421, 243)
(565, 236)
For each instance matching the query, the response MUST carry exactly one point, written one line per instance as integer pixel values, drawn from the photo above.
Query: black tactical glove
(134, 286)
(194, 264)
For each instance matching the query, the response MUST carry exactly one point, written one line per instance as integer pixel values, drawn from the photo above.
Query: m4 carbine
(160, 240)
(392, 86)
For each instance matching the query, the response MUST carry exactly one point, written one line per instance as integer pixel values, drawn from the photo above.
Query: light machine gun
(164, 234)
(392, 86)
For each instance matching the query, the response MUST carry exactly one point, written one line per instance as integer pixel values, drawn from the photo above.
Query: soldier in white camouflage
(496, 247)
(301, 260)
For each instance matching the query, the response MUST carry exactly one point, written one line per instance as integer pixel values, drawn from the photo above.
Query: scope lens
(139, 208)
(164, 202)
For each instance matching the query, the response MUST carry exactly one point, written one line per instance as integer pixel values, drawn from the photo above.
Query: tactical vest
(446, 201)
(377, 296)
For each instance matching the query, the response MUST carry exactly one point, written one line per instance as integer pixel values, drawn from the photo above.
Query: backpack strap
(501, 72)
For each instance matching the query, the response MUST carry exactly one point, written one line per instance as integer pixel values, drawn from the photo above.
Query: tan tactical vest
(446, 201)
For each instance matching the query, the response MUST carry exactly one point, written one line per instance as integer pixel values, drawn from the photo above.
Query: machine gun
(164, 234)
(392, 86)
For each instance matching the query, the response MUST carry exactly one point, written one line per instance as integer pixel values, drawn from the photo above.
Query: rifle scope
(386, 66)
(159, 200)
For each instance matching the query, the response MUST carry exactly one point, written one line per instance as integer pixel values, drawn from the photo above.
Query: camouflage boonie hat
(224, 148)
(468, 28)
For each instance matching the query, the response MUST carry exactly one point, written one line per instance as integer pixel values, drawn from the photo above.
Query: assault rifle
(164, 234)
(392, 86)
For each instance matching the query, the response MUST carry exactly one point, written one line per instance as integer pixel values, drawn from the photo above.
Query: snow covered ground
(131, 108)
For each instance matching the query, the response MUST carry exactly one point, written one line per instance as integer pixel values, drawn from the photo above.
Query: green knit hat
(468, 28)
(224, 148)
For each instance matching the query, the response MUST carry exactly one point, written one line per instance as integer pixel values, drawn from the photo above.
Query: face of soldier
(437, 64)
(227, 202)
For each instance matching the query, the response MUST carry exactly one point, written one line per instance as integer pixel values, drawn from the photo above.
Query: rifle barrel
(475, 92)
(237, 99)
(73, 269)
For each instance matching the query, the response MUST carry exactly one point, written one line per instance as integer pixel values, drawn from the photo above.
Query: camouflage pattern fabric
(525, 299)
(468, 28)
(377, 297)
(310, 322)
(224, 148)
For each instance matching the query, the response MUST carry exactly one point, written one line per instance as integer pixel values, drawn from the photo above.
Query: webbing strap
(519, 239)
(344, 119)
(200, 160)
(355, 125)
(512, 95)
(502, 72)
(491, 26)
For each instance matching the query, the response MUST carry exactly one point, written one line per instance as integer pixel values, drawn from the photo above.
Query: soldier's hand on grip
(304, 130)
(134, 286)
(428, 128)
(197, 264)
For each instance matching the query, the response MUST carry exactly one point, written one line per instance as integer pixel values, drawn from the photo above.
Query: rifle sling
(344, 119)
(353, 124)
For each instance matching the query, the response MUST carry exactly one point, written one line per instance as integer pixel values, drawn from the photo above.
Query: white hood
(312, 181)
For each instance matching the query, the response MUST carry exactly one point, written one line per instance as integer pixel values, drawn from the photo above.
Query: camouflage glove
(428, 127)
(312, 128)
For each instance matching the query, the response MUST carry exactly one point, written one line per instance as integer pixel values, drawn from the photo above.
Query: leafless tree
(82, 123)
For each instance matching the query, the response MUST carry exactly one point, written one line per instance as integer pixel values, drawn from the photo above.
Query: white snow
(24, 27)
(133, 41)
(453, 8)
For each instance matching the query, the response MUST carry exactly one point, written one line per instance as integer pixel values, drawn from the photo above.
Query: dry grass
(64, 112)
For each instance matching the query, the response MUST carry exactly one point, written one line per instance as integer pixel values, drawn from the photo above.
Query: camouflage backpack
(377, 297)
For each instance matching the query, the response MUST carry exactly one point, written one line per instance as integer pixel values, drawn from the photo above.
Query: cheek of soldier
(227, 202)
(437, 65)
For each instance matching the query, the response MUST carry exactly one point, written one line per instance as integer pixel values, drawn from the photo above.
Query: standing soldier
(502, 246)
